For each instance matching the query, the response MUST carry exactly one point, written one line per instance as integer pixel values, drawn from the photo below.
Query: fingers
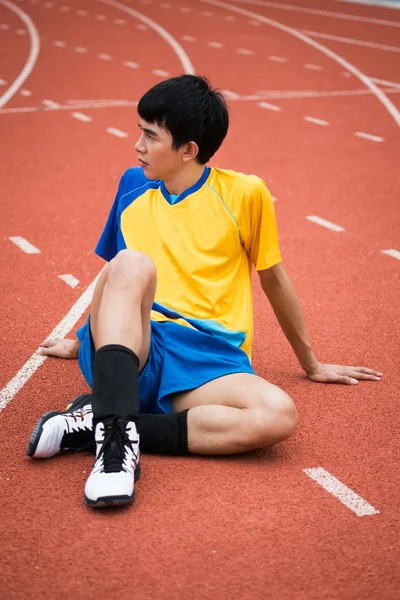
(49, 343)
(366, 371)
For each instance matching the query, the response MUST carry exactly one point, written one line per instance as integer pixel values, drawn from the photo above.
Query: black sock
(115, 382)
(164, 434)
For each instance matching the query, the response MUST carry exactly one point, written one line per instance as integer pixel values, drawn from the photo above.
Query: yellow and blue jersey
(203, 244)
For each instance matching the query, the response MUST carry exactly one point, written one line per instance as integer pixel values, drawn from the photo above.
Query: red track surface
(256, 526)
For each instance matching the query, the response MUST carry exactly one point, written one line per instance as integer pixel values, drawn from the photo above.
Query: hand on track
(340, 374)
(59, 347)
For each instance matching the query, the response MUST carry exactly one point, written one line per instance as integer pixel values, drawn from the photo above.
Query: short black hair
(190, 110)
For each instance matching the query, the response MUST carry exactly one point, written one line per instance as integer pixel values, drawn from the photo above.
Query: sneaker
(111, 482)
(70, 430)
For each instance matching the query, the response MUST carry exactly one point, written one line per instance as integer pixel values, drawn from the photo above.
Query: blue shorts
(180, 359)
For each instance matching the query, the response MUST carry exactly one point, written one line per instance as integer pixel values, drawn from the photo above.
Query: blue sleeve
(107, 246)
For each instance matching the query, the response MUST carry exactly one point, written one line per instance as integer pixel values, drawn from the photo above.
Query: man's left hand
(340, 374)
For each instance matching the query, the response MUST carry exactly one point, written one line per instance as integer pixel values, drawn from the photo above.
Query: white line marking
(119, 22)
(104, 56)
(388, 104)
(325, 223)
(59, 44)
(313, 67)
(160, 72)
(116, 132)
(340, 491)
(3, 82)
(230, 95)
(245, 51)
(177, 48)
(385, 82)
(278, 59)
(316, 121)
(131, 65)
(269, 106)
(393, 253)
(20, 31)
(346, 40)
(36, 360)
(141, 27)
(80, 50)
(100, 17)
(69, 280)
(50, 103)
(69, 107)
(254, 23)
(4, 26)
(24, 245)
(65, 8)
(188, 38)
(368, 136)
(323, 13)
(308, 94)
(81, 117)
(33, 53)
(25, 93)
(215, 44)
(81, 13)
(380, 3)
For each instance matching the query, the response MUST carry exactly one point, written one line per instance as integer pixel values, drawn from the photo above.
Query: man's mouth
(142, 163)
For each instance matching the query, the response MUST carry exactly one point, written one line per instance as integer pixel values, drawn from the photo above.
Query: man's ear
(190, 152)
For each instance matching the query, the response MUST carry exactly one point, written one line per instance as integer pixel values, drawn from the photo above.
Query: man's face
(155, 153)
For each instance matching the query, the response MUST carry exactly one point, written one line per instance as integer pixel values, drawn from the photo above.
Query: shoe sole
(37, 431)
(110, 501)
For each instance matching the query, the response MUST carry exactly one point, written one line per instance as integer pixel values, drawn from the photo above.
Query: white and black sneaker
(112, 480)
(66, 431)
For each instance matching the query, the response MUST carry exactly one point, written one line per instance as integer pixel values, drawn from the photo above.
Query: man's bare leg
(236, 413)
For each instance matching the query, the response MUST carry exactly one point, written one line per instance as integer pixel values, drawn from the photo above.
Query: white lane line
(393, 253)
(325, 223)
(230, 95)
(33, 53)
(278, 59)
(80, 50)
(3, 82)
(368, 136)
(254, 23)
(380, 95)
(160, 72)
(385, 82)
(269, 106)
(81, 117)
(20, 31)
(116, 132)
(323, 13)
(346, 40)
(119, 21)
(50, 103)
(340, 491)
(69, 107)
(215, 44)
(104, 56)
(316, 121)
(131, 65)
(100, 17)
(245, 52)
(188, 38)
(312, 67)
(177, 48)
(59, 44)
(24, 245)
(69, 280)
(25, 93)
(4, 26)
(81, 13)
(36, 360)
(141, 27)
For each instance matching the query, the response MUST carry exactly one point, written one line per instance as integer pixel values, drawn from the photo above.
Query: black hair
(190, 110)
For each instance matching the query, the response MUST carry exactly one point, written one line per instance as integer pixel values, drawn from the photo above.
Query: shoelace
(114, 445)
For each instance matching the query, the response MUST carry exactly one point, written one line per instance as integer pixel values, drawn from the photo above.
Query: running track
(251, 527)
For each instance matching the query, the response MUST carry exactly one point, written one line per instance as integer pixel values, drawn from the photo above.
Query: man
(167, 346)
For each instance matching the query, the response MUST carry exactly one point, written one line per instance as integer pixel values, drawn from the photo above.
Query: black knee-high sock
(115, 382)
(164, 434)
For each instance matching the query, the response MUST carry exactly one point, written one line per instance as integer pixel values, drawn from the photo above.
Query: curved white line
(390, 107)
(33, 54)
(176, 47)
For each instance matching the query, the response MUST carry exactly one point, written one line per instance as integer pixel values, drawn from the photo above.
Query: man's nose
(139, 146)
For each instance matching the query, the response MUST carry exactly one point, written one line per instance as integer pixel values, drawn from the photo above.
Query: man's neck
(184, 180)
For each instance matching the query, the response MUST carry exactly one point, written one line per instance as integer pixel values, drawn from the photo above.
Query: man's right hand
(60, 348)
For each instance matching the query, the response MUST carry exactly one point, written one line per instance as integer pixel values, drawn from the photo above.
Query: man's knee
(273, 420)
(130, 268)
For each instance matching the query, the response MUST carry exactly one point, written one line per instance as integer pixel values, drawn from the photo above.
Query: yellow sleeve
(257, 224)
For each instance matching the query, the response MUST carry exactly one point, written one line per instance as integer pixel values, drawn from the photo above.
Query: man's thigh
(239, 390)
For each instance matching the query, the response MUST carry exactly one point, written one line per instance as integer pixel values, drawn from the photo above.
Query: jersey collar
(187, 192)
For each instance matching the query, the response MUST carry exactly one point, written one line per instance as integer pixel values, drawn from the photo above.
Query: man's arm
(60, 348)
(286, 306)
